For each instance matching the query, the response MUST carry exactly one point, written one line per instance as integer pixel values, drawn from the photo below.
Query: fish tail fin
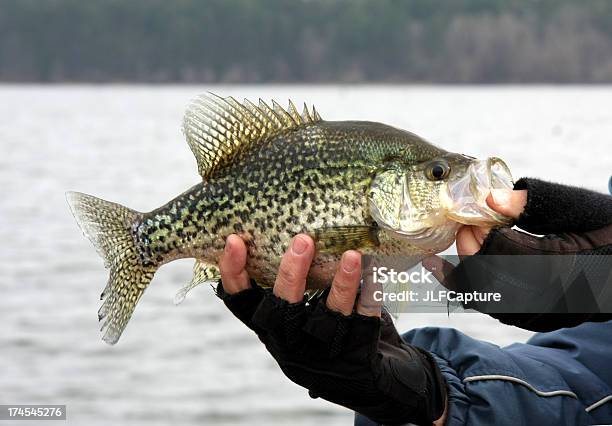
(109, 227)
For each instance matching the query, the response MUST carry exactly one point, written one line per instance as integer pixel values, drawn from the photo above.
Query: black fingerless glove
(553, 208)
(355, 361)
(577, 222)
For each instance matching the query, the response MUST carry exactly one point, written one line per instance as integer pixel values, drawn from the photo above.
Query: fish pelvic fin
(217, 129)
(109, 226)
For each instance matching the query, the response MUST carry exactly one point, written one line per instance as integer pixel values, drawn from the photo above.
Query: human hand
(576, 221)
(345, 351)
(291, 279)
(507, 202)
(470, 238)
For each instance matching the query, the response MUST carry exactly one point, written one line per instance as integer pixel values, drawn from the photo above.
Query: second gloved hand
(549, 282)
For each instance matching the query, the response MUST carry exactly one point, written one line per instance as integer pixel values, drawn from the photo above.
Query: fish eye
(437, 170)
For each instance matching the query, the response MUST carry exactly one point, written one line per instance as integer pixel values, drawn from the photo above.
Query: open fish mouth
(467, 195)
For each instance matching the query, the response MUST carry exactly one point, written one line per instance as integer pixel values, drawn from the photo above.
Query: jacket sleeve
(553, 379)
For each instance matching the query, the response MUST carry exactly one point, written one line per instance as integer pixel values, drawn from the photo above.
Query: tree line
(256, 41)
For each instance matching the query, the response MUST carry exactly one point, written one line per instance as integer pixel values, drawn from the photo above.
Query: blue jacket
(558, 378)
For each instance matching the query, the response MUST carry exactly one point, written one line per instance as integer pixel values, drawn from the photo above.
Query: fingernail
(228, 245)
(349, 263)
(299, 246)
(501, 196)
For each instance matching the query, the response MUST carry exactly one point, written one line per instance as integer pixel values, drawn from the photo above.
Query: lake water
(195, 363)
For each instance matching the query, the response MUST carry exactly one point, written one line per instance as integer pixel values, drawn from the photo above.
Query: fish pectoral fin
(203, 273)
(339, 239)
(217, 128)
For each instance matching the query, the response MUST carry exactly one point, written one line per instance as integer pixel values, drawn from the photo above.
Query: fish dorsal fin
(218, 128)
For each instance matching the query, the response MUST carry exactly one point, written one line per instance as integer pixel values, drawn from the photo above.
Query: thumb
(508, 202)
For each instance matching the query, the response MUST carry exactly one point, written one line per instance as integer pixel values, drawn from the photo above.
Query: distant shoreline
(363, 85)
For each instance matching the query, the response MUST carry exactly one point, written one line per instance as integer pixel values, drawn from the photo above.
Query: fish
(269, 173)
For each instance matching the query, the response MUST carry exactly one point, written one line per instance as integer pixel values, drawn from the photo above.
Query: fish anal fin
(203, 272)
(217, 129)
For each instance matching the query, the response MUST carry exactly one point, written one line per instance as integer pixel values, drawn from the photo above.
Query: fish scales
(301, 180)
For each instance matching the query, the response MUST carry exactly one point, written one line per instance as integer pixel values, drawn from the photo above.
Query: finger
(467, 243)
(367, 304)
(344, 288)
(370, 301)
(291, 279)
(508, 202)
(440, 268)
(480, 233)
(232, 265)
